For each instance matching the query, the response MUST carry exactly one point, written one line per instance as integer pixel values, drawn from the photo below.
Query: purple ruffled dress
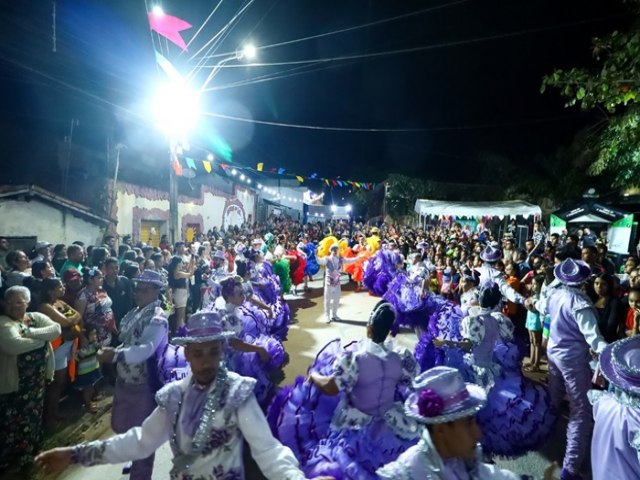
(332, 436)
(380, 270)
(518, 417)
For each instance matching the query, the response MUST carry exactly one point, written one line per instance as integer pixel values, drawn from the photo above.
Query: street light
(247, 52)
(175, 108)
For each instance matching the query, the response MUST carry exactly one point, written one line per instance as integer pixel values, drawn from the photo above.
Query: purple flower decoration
(430, 404)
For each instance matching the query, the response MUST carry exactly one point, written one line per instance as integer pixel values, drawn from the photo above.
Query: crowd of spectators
(71, 299)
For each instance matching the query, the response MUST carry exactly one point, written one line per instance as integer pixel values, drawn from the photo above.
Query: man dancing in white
(334, 263)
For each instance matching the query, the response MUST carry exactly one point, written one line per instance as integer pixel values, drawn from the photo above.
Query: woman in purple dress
(366, 427)
(518, 417)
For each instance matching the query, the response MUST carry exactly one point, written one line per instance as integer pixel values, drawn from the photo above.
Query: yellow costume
(325, 244)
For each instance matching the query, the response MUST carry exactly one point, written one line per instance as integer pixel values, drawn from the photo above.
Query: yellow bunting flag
(300, 179)
(207, 165)
(260, 166)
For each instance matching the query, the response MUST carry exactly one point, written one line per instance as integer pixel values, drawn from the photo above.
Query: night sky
(472, 88)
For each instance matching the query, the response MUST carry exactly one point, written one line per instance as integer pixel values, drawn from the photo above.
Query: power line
(364, 25)
(509, 123)
(426, 47)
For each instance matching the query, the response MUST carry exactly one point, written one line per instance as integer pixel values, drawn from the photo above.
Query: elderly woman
(26, 361)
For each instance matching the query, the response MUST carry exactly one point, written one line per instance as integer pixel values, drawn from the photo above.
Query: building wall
(34, 218)
(213, 208)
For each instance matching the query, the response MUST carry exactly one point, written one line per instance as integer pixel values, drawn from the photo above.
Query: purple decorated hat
(219, 254)
(441, 396)
(152, 277)
(620, 364)
(572, 272)
(491, 254)
(239, 248)
(203, 327)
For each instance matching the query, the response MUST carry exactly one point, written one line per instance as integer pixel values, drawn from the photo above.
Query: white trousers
(331, 300)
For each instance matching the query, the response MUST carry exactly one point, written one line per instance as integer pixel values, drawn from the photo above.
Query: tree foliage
(403, 191)
(614, 89)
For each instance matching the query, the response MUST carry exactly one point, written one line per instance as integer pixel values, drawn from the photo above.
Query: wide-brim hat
(219, 254)
(491, 254)
(152, 277)
(572, 272)
(202, 327)
(441, 396)
(620, 364)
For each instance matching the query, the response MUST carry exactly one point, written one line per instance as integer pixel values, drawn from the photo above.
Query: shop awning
(476, 209)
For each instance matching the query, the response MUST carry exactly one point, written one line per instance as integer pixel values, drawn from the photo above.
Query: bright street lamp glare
(234, 172)
(210, 157)
(348, 208)
(242, 176)
(175, 108)
(249, 51)
(248, 180)
(333, 208)
(157, 10)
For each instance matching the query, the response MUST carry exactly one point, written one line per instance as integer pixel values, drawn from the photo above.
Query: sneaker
(327, 320)
(336, 318)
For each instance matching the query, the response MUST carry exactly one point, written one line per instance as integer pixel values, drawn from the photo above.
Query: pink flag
(169, 27)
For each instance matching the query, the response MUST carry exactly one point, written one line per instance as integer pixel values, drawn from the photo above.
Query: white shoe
(327, 320)
(336, 318)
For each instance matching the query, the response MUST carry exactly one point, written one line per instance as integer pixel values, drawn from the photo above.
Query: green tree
(614, 89)
(402, 193)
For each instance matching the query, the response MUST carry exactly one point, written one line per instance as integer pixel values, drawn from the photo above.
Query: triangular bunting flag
(273, 170)
(207, 165)
(327, 182)
(190, 163)
(260, 166)
(334, 183)
(300, 179)
(280, 171)
(224, 166)
(169, 27)
(313, 175)
(340, 182)
(177, 167)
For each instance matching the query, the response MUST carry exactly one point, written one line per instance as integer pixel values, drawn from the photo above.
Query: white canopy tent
(426, 207)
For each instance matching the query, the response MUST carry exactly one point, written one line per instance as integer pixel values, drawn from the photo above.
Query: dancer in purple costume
(615, 449)
(574, 332)
(267, 290)
(409, 293)
(448, 446)
(253, 307)
(250, 355)
(380, 269)
(143, 334)
(368, 427)
(206, 418)
(518, 416)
